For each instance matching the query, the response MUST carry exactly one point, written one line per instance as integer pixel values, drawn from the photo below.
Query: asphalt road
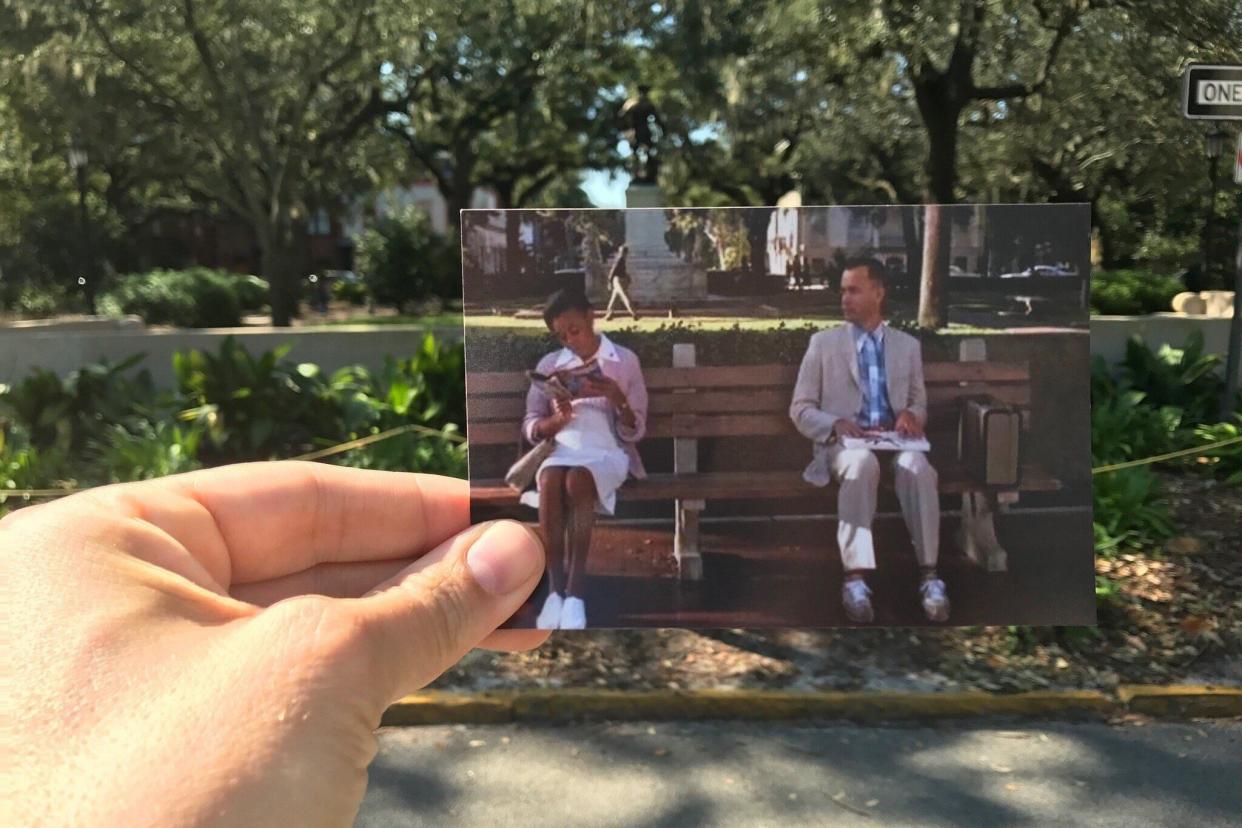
(758, 774)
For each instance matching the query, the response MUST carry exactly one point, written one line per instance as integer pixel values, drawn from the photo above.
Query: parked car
(1042, 272)
(957, 273)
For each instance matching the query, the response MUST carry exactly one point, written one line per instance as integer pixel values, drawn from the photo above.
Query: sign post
(1214, 92)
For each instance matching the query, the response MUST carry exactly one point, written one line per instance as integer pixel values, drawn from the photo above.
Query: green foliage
(194, 298)
(101, 424)
(150, 449)
(1184, 377)
(36, 301)
(55, 411)
(355, 293)
(402, 260)
(1225, 462)
(1130, 511)
(252, 408)
(1132, 292)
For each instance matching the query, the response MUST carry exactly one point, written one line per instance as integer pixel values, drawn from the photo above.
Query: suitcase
(989, 442)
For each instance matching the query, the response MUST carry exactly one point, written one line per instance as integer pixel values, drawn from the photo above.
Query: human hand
(909, 425)
(602, 386)
(562, 413)
(846, 427)
(219, 646)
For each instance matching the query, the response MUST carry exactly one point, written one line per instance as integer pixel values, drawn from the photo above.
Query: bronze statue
(636, 117)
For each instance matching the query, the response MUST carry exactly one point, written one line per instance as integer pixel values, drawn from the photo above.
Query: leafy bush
(1124, 423)
(403, 260)
(1130, 510)
(355, 293)
(1224, 462)
(1183, 377)
(1132, 292)
(195, 298)
(39, 301)
(252, 408)
(103, 424)
(151, 449)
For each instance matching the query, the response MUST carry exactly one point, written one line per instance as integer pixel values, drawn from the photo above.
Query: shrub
(1132, 292)
(1224, 462)
(1183, 377)
(403, 260)
(355, 293)
(37, 301)
(195, 298)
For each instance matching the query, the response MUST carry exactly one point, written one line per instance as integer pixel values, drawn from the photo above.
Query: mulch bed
(1177, 618)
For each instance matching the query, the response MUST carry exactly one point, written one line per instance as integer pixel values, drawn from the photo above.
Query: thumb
(424, 619)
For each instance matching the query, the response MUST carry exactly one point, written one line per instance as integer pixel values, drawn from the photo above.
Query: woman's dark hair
(875, 271)
(565, 300)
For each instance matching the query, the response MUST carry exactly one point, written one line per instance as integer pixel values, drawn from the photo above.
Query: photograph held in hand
(809, 421)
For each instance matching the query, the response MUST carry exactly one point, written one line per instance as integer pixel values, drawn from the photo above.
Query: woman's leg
(582, 498)
(552, 524)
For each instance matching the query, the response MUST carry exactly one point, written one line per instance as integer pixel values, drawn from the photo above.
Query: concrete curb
(1186, 701)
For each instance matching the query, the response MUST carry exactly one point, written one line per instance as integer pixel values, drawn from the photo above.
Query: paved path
(747, 774)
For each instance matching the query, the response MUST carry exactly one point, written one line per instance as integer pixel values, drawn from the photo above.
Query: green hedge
(194, 298)
(1132, 292)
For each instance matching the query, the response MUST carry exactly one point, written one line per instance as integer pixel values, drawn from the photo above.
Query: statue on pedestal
(636, 118)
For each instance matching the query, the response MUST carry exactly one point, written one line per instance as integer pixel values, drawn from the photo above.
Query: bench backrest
(746, 400)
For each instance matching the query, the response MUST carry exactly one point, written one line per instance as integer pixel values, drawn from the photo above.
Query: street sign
(1213, 92)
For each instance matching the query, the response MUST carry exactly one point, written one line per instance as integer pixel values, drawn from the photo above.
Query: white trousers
(857, 471)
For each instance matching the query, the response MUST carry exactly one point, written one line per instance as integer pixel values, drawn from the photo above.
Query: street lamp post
(1214, 148)
(78, 160)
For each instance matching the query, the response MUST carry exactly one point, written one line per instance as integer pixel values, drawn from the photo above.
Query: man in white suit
(861, 377)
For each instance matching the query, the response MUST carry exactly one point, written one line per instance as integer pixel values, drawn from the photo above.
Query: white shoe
(935, 600)
(573, 614)
(550, 616)
(856, 597)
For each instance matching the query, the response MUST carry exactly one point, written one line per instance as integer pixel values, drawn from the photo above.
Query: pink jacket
(617, 363)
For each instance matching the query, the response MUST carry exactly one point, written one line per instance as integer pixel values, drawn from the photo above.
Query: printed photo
(786, 416)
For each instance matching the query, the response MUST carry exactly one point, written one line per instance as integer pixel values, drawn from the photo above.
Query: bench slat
(758, 376)
(747, 485)
(759, 401)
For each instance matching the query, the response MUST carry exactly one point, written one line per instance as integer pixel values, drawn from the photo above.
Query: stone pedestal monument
(658, 274)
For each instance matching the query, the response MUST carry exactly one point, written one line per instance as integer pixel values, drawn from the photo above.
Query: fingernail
(504, 557)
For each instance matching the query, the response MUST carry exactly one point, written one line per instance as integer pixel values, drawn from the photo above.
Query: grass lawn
(651, 324)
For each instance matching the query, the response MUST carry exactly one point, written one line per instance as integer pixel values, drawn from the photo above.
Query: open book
(565, 384)
(886, 441)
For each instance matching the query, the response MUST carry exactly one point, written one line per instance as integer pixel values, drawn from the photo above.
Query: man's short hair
(564, 300)
(875, 270)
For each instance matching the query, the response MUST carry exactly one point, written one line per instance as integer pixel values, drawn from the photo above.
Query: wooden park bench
(690, 403)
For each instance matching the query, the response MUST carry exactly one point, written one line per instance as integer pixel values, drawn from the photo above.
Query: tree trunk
(937, 237)
(280, 264)
(757, 220)
(914, 248)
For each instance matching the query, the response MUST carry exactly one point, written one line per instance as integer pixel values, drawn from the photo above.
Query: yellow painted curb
(747, 705)
(450, 708)
(1187, 700)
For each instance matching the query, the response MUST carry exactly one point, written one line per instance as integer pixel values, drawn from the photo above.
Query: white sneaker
(935, 600)
(856, 596)
(550, 616)
(573, 614)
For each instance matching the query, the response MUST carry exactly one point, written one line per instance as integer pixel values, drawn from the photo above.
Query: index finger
(277, 518)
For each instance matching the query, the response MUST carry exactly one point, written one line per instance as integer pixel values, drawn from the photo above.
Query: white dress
(588, 441)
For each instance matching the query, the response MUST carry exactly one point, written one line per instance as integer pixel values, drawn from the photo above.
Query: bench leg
(686, 540)
(977, 535)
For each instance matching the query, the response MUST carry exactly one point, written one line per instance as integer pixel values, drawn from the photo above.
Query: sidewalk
(755, 774)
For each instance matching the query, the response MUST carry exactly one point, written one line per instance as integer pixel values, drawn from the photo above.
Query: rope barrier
(330, 451)
(350, 445)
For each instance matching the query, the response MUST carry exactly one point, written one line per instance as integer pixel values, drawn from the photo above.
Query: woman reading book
(594, 406)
